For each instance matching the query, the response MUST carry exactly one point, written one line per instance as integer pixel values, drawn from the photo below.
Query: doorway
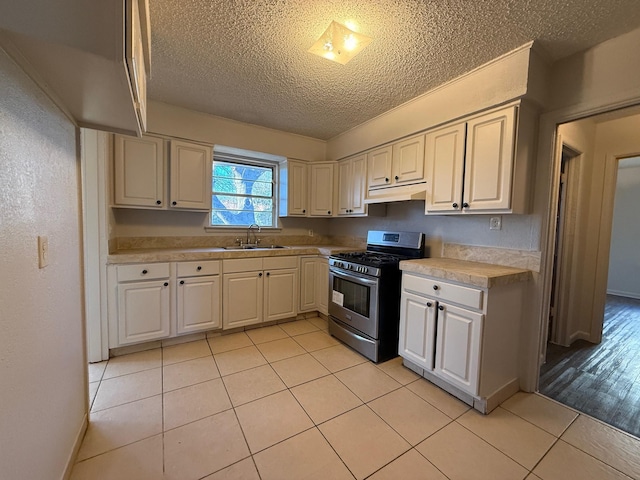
(593, 337)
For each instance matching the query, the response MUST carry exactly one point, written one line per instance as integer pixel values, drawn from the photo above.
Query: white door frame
(94, 153)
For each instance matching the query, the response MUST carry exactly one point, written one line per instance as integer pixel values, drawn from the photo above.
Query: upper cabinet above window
(92, 58)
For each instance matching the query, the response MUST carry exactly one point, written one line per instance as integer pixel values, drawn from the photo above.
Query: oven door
(354, 300)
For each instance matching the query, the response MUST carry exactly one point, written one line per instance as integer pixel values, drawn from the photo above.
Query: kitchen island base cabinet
(461, 337)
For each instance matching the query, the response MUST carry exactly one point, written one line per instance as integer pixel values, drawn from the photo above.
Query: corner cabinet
(314, 284)
(481, 165)
(144, 177)
(461, 337)
(352, 185)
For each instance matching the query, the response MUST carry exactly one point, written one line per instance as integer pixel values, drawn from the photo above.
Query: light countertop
(483, 275)
(217, 253)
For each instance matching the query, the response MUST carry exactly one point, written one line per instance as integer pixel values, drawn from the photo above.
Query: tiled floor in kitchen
(289, 402)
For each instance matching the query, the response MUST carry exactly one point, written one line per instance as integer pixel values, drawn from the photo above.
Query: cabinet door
(143, 311)
(242, 302)
(345, 186)
(322, 286)
(308, 278)
(198, 304)
(139, 172)
(358, 184)
(417, 330)
(190, 181)
(444, 162)
(280, 294)
(489, 161)
(321, 190)
(408, 161)
(459, 333)
(379, 167)
(298, 191)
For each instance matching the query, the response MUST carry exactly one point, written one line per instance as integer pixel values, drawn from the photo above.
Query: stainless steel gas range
(364, 302)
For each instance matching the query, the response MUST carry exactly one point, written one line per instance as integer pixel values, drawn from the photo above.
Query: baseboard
(76, 447)
(579, 336)
(617, 293)
(505, 392)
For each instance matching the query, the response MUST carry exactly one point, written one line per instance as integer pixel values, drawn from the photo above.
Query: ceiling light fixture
(339, 43)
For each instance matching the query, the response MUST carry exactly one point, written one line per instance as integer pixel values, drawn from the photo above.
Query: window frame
(249, 161)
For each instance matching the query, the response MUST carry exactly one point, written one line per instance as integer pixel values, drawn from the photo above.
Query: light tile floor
(290, 402)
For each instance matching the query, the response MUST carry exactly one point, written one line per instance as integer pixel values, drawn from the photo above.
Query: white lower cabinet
(143, 303)
(257, 290)
(457, 349)
(314, 284)
(198, 296)
(461, 337)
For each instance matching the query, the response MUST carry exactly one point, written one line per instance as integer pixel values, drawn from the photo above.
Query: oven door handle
(356, 278)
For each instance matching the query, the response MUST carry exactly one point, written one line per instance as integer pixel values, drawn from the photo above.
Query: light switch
(43, 251)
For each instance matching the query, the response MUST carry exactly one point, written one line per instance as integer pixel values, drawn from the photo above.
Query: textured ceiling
(247, 60)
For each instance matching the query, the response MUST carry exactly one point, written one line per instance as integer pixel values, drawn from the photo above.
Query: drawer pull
(440, 307)
(181, 282)
(436, 287)
(199, 268)
(260, 274)
(144, 272)
(429, 304)
(166, 284)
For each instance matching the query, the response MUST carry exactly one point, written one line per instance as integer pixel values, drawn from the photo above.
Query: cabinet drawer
(274, 263)
(197, 269)
(147, 271)
(235, 265)
(440, 290)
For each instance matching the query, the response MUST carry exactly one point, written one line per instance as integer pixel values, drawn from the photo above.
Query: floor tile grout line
(534, 424)
(499, 450)
(434, 405)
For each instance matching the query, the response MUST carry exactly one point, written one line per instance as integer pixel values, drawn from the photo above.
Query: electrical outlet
(495, 223)
(43, 251)
(310, 233)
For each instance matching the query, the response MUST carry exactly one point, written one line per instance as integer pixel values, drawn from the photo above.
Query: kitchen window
(242, 193)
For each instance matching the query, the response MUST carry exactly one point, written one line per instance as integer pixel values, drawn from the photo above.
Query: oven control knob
(364, 270)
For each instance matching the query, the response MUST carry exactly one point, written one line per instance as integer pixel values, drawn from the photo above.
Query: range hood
(403, 193)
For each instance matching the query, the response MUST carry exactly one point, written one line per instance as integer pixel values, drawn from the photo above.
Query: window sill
(236, 229)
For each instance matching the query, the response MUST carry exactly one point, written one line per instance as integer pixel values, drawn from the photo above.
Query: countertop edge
(482, 275)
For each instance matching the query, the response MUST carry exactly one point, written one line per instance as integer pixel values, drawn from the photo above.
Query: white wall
(183, 123)
(624, 258)
(43, 390)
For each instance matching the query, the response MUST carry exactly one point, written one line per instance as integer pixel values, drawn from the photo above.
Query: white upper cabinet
(321, 183)
(408, 161)
(142, 179)
(352, 182)
(398, 164)
(445, 166)
(190, 176)
(482, 165)
(294, 194)
(139, 172)
(379, 167)
(489, 161)
(94, 57)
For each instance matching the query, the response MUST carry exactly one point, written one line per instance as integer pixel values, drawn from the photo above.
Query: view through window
(242, 194)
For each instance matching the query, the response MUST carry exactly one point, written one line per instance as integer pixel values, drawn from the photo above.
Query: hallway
(601, 380)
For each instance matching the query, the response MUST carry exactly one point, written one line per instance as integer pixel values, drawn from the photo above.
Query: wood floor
(601, 380)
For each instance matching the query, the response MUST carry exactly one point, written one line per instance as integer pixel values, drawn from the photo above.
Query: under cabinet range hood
(417, 191)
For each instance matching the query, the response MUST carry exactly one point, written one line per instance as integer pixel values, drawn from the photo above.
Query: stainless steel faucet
(249, 230)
